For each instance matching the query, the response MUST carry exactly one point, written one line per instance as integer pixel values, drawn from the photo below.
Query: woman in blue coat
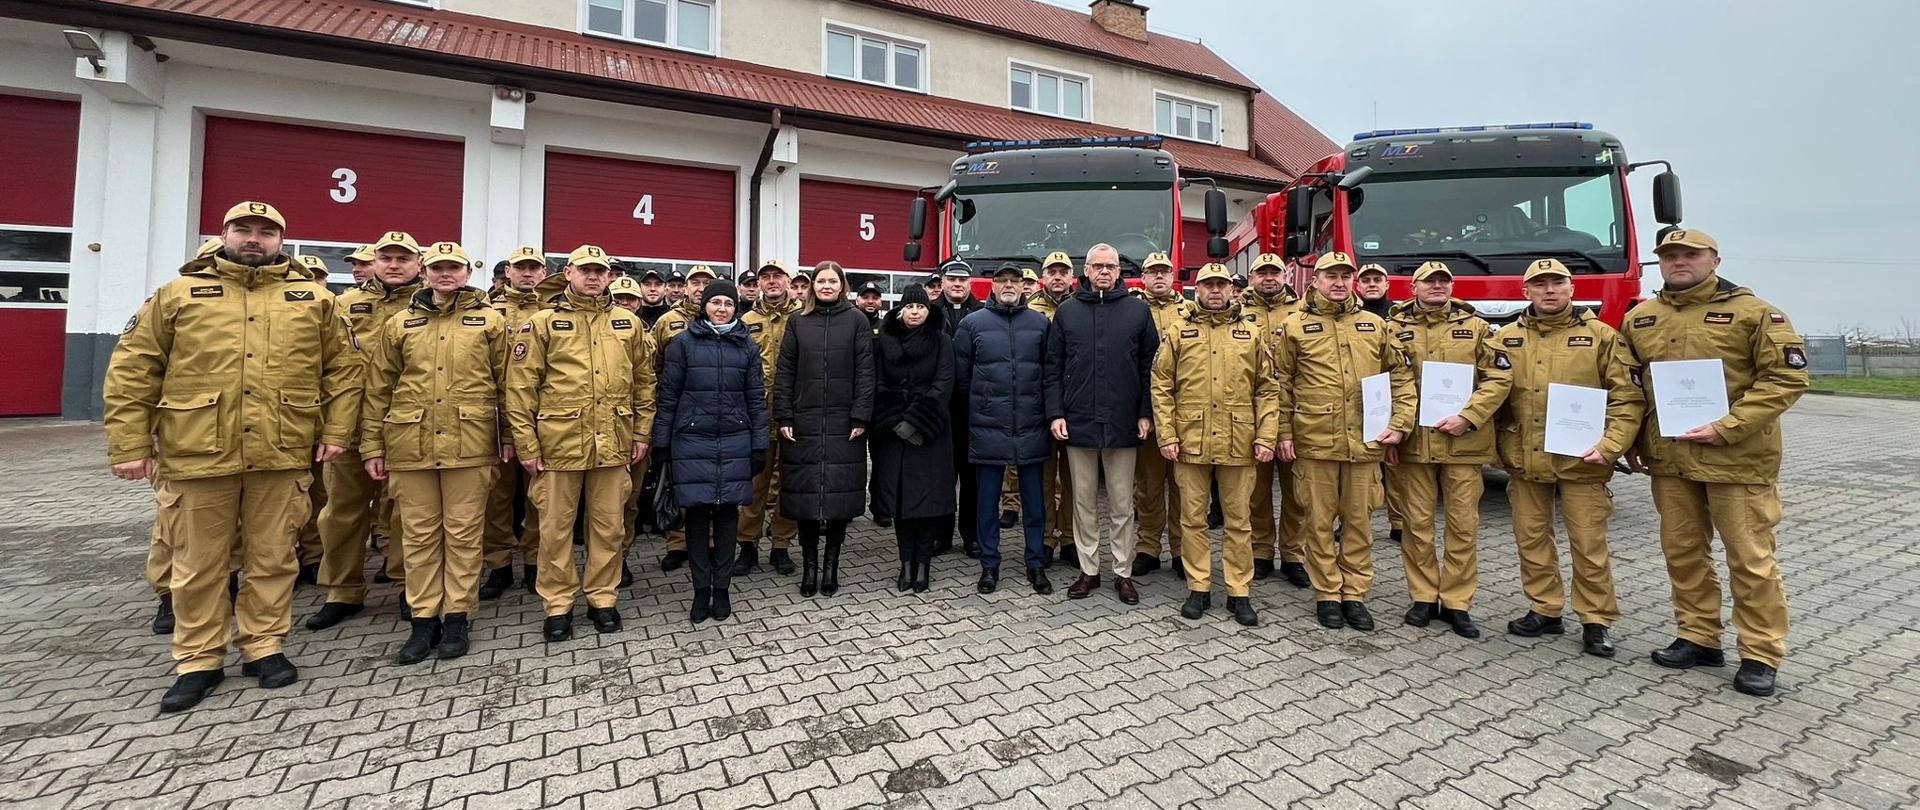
(712, 429)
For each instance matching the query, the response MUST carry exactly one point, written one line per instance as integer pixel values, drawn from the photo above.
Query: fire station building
(671, 132)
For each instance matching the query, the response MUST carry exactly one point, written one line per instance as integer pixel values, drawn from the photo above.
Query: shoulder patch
(1513, 342)
(1638, 380)
(360, 308)
(1644, 321)
(132, 321)
(213, 291)
(473, 320)
(1719, 317)
(1363, 326)
(622, 323)
(299, 295)
(1500, 360)
(561, 326)
(756, 327)
(1189, 333)
(1794, 356)
(1776, 317)
(1463, 334)
(1310, 328)
(1580, 340)
(520, 350)
(526, 327)
(1243, 334)
(1406, 336)
(675, 326)
(411, 323)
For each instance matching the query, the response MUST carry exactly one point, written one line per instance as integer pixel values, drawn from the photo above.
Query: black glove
(759, 462)
(908, 433)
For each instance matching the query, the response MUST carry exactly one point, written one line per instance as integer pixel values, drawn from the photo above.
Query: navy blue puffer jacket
(712, 414)
(1000, 363)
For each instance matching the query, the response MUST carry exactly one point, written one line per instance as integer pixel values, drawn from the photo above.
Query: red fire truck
(1487, 200)
(1013, 202)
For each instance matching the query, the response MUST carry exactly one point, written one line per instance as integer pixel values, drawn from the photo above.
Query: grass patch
(1906, 387)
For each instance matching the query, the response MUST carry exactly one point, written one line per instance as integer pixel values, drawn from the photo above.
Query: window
(1047, 91)
(684, 24)
(33, 264)
(1185, 118)
(874, 57)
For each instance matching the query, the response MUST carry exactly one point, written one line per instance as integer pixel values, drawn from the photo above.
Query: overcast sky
(1794, 127)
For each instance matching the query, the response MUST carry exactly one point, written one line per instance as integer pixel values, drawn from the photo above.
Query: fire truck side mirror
(917, 219)
(1299, 209)
(1216, 216)
(1217, 248)
(911, 253)
(1666, 198)
(1352, 180)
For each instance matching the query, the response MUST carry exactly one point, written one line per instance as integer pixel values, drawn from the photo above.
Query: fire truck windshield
(1025, 224)
(1512, 215)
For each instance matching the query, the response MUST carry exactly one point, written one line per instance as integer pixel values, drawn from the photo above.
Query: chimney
(1124, 17)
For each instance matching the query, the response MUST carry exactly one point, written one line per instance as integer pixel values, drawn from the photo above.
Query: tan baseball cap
(1027, 274)
(1370, 267)
(1272, 260)
(315, 266)
(364, 254)
(773, 264)
(441, 252)
(701, 269)
(1157, 259)
(588, 254)
(1332, 259)
(250, 208)
(1057, 257)
(624, 285)
(1214, 271)
(399, 239)
(1545, 267)
(526, 253)
(1688, 237)
(1428, 269)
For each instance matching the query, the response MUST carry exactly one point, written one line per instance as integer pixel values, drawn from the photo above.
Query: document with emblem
(1376, 398)
(1688, 394)
(1444, 389)
(1576, 418)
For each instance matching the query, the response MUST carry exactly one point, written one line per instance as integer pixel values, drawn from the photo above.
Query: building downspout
(753, 193)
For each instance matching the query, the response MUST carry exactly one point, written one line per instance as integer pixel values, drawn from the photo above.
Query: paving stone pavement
(950, 699)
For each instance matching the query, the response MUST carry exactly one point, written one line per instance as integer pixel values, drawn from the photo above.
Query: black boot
(1242, 609)
(605, 620)
(809, 570)
(527, 575)
(309, 575)
(1329, 614)
(781, 561)
(972, 547)
(498, 581)
(1533, 625)
(189, 689)
(1197, 604)
(332, 613)
(702, 605)
(830, 569)
(1144, 563)
(922, 565)
(1262, 569)
(989, 580)
(905, 547)
(1596, 640)
(426, 633)
(749, 558)
(1357, 615)
(273, 671)
(1296, 574)
(1684, 654)
(455, 639)
(1755, 678)
(163, 615)
(626, 575)
(1037, 577)
(673, 560)
(558, 628)
(1461, 622)
(1009, 518)
(721, 605)
(1422, 613)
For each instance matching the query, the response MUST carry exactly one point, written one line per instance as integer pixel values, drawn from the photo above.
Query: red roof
(545, 59)
(1285, 139)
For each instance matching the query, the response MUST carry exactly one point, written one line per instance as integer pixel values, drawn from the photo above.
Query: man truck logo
(1401, 150)
(981, 167)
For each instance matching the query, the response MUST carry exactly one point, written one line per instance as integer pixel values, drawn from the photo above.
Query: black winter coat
(823, 389)
(914, 385)
(1000, 364)
(1101, 352)
(712, 414)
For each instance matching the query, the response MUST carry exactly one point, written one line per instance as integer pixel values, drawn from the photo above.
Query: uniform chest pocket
(478, 428)
(298, 419)
(189, 424)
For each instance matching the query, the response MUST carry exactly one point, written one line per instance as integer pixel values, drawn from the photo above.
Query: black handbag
(666, 513)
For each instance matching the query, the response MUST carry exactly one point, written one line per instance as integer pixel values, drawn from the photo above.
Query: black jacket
(823, 389)
(954, 312)
(1100, 353)
(915, 380)
(1000, 359)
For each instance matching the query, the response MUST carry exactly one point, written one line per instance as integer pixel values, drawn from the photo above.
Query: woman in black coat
(823, 401)
(912, 439)
(712, 406)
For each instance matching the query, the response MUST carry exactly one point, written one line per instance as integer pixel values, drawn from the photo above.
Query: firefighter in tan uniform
(1215, 415)
(766, 323)
(227, 385)
(1270, 299)
(1155, 497)
(516, 303)
(627, 295)
(355, 502)
(308, 545)
(1321, 354)
(1056, 286)
(1720, 477)
(669, 326)
(1556, 342)
(579, 402)
(1441, 462)
(430, 429)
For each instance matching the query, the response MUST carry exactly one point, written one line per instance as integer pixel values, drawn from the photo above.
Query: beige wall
(962, 63)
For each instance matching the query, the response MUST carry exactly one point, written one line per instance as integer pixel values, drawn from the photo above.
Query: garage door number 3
(343, 191)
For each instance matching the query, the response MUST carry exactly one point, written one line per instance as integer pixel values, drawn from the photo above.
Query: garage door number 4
(344, 191)
(643, 210)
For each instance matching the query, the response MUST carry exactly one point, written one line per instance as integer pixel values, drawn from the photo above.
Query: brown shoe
(1124, 587)
(1086, 584)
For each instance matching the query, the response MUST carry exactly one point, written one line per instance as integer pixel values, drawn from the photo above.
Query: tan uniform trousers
(1584, 508)
(1087, 464)
(510, 485)
(353, 504)
(310, 548)
(1341, 570)
(1236, 542)
(1744, 515)
(637, 476)
(442, 517)
(1157, 501)
(559, 493)
(160, 551)
(1450, 578)
(1285, 534)
(257, 512)
(765, 509)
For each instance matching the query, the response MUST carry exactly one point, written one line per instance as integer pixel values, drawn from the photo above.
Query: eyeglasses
(1103, 266)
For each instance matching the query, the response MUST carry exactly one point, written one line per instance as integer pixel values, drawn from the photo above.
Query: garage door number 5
(344, 191)
(866, 227)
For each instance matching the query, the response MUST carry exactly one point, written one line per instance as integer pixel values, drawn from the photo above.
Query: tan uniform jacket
(369, 307)
(518, 307)
(676, 320)
(434, 385)
(580, 385)
(767, 325)
(1213, 388)
(1572, 348)
(1766, 368)
(1451, 334)
(1320, 355)
(1166, 308)
(1044, 303)
(1269, 312)
(233, 369)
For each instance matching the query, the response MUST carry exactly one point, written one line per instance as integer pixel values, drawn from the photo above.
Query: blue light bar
(1395, 133)
(1141, 141)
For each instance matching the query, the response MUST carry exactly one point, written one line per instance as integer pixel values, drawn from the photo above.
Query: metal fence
(1830, 354)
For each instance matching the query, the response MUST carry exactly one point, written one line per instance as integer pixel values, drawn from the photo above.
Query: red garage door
(637, 209)
(36, 237)
(333, 185)
(861, 227)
